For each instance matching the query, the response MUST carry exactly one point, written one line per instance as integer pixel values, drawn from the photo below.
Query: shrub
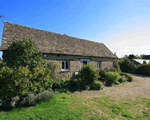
(126, 65)
(128, 76)
(143, 69)
(61, 84)
(117, 66)
(102, 73)
(122, 79)
(117, 82)
(87, 74)
(20, 81)
(46, 95)
(52, 67)
(112, 77)
(1, 64)
(57, 82)
(31, 99)
(97, 85)
(112, 70)
(74, 84)
(9, 103)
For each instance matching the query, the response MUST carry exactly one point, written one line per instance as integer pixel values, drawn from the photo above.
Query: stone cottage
(68, 52)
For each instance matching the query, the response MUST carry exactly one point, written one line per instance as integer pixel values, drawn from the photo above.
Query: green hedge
(143, 69)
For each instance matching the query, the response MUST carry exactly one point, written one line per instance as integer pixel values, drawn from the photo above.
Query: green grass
(56, 108)
(66, 107)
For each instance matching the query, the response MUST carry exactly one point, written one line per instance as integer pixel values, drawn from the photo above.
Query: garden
(26, 79)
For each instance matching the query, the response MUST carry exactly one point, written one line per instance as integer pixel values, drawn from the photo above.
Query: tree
(25, 72)
(142, 56)
(23, 53)
(131, 56)
(126, 65)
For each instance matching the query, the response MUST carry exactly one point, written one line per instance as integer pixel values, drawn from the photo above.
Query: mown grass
(66, 107)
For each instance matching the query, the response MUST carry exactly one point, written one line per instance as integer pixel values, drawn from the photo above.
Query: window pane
(98, 65)
(67, 65)
(62, 65)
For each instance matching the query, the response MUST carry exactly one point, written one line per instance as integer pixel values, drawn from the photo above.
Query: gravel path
(140, 87)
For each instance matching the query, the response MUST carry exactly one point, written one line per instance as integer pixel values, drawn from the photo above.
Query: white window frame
(98, 65)
(81, 60)
(65, 65)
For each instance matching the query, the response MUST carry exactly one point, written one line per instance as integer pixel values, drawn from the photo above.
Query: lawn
(67, 107)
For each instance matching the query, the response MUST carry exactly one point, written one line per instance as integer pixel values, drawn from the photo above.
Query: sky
(122, 25)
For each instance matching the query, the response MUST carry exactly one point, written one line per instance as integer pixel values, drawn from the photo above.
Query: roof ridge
(55, 33)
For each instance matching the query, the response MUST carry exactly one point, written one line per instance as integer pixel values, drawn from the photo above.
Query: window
(99, 65)
(65, 65)
(44, 55)
(84, 62)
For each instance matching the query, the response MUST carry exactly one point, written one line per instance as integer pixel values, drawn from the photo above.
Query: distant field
(112, 103)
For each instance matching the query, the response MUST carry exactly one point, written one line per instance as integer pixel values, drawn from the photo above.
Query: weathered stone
(75, 64)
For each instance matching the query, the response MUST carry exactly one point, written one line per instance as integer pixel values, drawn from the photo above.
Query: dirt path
(140, 87)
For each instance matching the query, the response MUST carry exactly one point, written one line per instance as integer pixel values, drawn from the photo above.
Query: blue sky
(122, 25)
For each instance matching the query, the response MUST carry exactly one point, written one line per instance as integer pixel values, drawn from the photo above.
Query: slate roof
(140, 61)
(49, 42)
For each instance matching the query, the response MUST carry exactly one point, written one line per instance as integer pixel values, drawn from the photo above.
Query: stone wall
(75, 64)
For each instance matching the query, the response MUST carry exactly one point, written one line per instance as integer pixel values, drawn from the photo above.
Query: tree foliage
(23, 53)
(126, 65)
(25, 70)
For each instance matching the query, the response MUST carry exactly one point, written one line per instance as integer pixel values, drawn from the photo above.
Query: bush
(143, 69)
(97, 85)
(74, 85)
(57, 83)
(46, 95)
(113, 70)
(31, 99)
(128, 76)
(117, 82)
(88, 74)
(1, 64)
(102, 73)
(112, 77)
(21, 81)
(117, 66)
(126, 65)
(122, 79)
